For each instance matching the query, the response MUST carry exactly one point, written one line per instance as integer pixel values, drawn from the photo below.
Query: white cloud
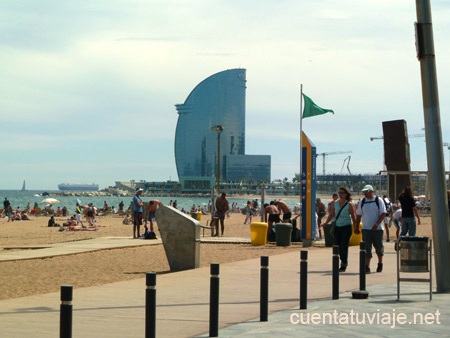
(82, 77)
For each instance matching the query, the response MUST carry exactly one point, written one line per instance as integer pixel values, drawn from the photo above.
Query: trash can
(283, 232)
(199, 216)
(355, 239)
(258, 232)
(329, 238)
(414, 254)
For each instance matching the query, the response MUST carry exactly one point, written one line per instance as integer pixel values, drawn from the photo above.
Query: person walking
(372, 211)
(409, 210)
(343, 212)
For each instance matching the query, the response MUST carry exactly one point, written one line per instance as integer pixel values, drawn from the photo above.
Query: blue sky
(88, 87)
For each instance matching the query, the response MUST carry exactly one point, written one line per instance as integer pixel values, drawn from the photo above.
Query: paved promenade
(95, 244)
(117, 309)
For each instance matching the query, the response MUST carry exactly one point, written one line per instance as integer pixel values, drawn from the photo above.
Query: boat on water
(77, 187)
(23, 186)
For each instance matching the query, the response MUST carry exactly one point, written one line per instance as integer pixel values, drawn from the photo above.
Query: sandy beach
(37, 276)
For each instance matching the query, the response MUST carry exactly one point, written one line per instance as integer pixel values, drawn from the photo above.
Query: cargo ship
(78, 187)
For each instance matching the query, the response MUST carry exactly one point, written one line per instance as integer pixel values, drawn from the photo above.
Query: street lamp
(218, 129)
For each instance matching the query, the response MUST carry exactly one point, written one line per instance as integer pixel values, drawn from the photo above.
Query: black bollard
(264, 290)
(150, 305)
(65, 315)
(362, 266)
(303, 278)
(335, 272)
(361, 293)
(214, 301)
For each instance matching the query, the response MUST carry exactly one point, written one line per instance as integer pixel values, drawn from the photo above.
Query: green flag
(312, 109)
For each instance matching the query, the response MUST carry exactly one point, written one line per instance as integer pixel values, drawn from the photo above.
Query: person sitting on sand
(17, 214)
(126, 220)
(72, 221)
(52, 222)
(27, 209)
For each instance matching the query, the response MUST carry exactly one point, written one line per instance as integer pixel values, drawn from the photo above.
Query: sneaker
(388, 240)
(380, 267)
(342, 268)
(367, 269)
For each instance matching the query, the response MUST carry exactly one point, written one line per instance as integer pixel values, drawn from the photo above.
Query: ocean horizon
(19, 198)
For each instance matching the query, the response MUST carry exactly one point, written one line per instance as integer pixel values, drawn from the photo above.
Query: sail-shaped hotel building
(219, 100)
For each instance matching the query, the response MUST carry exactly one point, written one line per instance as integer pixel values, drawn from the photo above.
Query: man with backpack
(372, 211)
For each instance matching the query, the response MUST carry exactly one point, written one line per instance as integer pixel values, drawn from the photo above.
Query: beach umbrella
(49, 200)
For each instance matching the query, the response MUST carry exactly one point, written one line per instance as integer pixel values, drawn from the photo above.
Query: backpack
(388, 206)
(376, 202)
(149, 235)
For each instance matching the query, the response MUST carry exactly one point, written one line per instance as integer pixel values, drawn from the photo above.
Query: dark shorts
(151, 216)
(287, 215)
(275, 218)
(220, 214)
(375, 238)
(137, 218)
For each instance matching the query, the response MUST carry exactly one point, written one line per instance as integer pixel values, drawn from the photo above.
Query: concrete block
(180, 234)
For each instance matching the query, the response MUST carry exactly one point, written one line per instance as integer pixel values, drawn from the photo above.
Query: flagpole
(300, 173)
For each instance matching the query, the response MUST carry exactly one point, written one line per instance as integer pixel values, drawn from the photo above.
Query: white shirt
(397, 214)
(370, 213)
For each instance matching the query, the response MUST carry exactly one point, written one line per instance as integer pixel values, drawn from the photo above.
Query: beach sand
(36, 276)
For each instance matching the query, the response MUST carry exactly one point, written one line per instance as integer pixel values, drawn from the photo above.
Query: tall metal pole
(218, 129)
(218, 162)
(435, 157)
(300, 173)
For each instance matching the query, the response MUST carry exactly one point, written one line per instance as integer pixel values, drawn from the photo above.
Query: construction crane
(331, 153)
(347, 159)
(409, 136)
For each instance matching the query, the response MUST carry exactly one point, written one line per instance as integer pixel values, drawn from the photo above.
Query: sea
(19, 198)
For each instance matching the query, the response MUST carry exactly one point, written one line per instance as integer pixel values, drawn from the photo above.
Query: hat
(367, 188)
(139, 189)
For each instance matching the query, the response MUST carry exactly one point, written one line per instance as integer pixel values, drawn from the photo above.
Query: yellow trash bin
(199, 216)
(258, 232)
(356, 238)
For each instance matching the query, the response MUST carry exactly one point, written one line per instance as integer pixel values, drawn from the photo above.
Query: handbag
(333, 224)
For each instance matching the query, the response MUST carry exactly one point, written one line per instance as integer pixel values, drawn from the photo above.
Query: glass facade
(247, 167)
(217, 100)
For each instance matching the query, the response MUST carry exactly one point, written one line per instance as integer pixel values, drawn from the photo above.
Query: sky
(88, 88)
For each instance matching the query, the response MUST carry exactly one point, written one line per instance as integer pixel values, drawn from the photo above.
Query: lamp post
(218, 129)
